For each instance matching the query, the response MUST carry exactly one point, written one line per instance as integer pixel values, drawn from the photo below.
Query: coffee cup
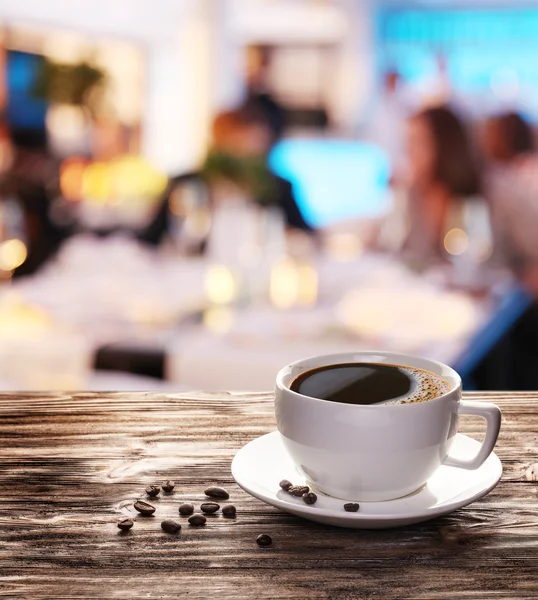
(376, 452)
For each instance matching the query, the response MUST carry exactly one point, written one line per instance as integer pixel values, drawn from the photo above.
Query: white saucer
(260, 465)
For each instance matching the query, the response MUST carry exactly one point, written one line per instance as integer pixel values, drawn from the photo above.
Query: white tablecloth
(375, 304)
(113, 290)
(107, 381)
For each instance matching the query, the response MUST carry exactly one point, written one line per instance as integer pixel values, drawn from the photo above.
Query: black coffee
(369, 383)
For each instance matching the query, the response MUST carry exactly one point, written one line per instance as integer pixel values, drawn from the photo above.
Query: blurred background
(195, 192)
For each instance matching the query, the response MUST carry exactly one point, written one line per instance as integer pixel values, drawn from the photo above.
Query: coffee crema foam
(428, 386)
(370, 383)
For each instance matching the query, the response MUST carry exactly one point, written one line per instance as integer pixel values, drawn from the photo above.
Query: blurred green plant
(69, 84)
(248, 172)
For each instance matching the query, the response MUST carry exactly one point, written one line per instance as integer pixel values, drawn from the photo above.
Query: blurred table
(373, 304)
(126, 308)
(117, 381)
(108, 381)
(72, 465)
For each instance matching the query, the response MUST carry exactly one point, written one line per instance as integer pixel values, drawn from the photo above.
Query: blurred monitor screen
(333, 180)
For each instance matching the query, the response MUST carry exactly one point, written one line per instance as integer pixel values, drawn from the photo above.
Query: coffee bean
(197, 520)
(351, 507)
(285, 485)
(298, 490)
(217, 492)
(153, 490)
(170, 526)
(264, 540)
(186, 509)
(144, 508)
(229, 511)
(125, 524)
(209, 507)
(310, 498)
(168, 486)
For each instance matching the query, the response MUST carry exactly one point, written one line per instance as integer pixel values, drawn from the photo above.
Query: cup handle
(492, 414)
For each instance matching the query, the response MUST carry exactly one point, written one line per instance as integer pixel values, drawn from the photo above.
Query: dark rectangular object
(139, 361)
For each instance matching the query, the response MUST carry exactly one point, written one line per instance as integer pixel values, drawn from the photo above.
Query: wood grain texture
(71, 465)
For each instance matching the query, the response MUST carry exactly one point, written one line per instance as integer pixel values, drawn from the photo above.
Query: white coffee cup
(376, 452)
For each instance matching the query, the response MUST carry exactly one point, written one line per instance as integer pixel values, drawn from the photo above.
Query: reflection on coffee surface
(370, 383)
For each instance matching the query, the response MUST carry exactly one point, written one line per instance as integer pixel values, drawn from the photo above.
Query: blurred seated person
(28, 183)
(386, 123)
(258, 89)
(512, 189)
(236, 164)
(507, 139)
(441, 189)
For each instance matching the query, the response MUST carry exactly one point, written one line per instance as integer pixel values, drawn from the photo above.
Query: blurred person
(386, 126)
(442, 186)
(6, 148)
(507, 138)
(508, 146)
(258, 90)
(30, 181)
(237, 159)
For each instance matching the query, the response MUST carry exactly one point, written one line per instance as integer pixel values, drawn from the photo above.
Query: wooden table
(70, 465)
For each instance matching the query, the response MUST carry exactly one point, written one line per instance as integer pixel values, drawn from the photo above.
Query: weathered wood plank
(70, 465)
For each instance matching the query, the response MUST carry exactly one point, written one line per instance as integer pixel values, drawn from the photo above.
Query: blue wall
(488, 52)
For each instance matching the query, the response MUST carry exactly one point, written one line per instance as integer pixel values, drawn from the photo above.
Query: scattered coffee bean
(310, 498)
(351, 507)
(197, 520)
(170, 526)
(229, 511)
(153, 490)
(285, 485)
(298, 490)
(209, 507)
(186, 509)
(125, 524)
(264, 540)
(217, 492)
(144, 508)
(168, 486)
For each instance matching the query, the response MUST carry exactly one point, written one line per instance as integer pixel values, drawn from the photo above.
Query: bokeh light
(284, 284)
(97, 182)
(218, 319)
(456, 242)
(308, 285)
(19, 319)
(71, 178)
(12, 254)
(220, 284)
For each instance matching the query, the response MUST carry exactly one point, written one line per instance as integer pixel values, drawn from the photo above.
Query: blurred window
(490, 54)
